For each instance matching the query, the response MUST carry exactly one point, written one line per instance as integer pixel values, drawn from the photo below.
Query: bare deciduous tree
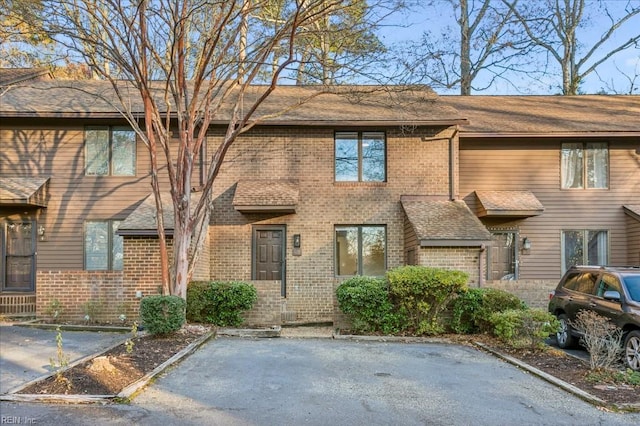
(483, 43)
(190, 62)
(625, 83)
(556, 26)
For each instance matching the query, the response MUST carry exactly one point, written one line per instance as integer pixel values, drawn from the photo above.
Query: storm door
(502, 261)
(18, 256)
(269, 254)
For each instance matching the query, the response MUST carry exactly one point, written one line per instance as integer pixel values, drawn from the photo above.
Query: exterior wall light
(526, 243)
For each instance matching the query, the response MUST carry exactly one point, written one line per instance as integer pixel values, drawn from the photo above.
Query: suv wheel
(632, 350)
(563, 336)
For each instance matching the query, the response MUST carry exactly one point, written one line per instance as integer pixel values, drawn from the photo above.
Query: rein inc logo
(17, 420)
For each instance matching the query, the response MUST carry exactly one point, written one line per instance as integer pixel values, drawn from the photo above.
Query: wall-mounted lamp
(296, 240)
(526, 243)
(41, 232)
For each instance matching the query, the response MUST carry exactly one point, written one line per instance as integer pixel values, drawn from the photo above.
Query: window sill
(359, 184)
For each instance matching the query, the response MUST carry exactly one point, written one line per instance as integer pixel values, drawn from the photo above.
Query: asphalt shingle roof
(23, 190)
(547, 114)
(632, 210)
(9, 76)
(263, 194)
(508, 203)
(450, 222)
(286, 105)
(142, 220)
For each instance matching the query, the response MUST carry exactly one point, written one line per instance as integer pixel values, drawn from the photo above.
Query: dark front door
(502, 258)
(269, 254)
(18, 257)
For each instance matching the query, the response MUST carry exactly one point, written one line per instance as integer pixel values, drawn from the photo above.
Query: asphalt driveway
(231, 381)
(25, 352)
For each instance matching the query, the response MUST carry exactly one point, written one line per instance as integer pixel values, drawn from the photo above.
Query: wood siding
(633, 239)
(55, 148)
(534, 164)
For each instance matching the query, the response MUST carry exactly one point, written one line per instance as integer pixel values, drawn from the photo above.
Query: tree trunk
(181, 244)
(465, 50)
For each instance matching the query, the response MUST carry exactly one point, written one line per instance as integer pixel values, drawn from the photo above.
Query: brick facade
(460, 258)
(104, 294)
(535, 293)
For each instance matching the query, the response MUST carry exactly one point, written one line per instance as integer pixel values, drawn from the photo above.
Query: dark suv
(613, 292)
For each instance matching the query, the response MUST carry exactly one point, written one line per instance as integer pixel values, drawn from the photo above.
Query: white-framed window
(110, 151)
(103, 248)
(361, 250)
(584, 247)
(360, 157)
(585, 165)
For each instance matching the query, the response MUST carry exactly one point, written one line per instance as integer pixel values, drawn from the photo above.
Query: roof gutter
(605, 134)
(290, 122)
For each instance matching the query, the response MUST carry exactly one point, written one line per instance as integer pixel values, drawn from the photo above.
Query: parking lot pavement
(25, 352)
(232, 381)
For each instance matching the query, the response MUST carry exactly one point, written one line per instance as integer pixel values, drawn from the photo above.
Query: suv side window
(633, 286)
(583, 282)
(608, 283)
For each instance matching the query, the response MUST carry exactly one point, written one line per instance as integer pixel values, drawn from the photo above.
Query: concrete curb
(270, 332)
(73, 327)
(125, 395)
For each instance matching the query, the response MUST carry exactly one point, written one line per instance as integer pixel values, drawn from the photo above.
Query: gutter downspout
(452, 177)
(481, 261)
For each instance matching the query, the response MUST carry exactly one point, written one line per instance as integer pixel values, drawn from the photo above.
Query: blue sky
(411, 27)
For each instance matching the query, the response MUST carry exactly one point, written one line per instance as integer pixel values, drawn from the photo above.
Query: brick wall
(460, 258)
(102, 294)
(535, 293)
(269, 306)
(142, 264)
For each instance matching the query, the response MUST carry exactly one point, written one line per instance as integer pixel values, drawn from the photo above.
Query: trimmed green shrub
(198, 302)
(423, 293)
(219, 302)
(366, 301)
(472, 308)
(162, 314)
(524, 327)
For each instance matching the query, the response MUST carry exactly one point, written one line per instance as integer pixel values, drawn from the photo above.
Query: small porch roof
(142, 220)
(508, 203)
(24, 191)
(633, 210)
(266, 196)
(441, 222)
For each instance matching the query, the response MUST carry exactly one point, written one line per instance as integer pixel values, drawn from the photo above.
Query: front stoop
(269, 332)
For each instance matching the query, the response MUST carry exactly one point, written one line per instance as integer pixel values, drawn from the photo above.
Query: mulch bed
(116, 369)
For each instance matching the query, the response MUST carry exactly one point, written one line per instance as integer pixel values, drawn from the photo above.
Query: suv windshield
(633, 285)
